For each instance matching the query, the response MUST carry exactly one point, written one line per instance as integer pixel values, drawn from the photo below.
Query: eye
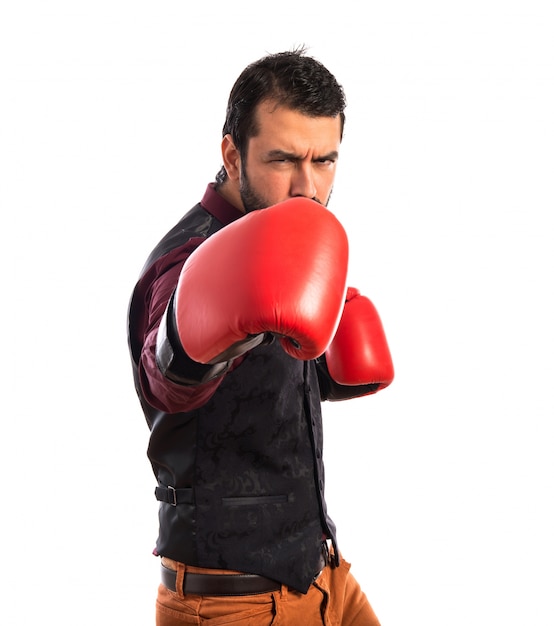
(281, 161)
(325, 162)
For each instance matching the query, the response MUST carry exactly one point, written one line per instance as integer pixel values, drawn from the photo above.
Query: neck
(231, 193)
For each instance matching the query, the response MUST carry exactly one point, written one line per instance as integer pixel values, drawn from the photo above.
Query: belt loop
(180, 580)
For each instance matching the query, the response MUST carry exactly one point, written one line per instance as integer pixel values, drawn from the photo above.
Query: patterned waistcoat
(244, 472)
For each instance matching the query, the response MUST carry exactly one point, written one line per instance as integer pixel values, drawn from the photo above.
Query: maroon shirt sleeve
(160, 392)
(155, 289)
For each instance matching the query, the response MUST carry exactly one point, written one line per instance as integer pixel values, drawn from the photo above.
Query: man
(239, 326)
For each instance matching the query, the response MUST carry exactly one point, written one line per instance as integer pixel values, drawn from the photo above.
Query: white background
(110, 119)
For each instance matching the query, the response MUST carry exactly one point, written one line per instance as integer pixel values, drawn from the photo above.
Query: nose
(302, 183)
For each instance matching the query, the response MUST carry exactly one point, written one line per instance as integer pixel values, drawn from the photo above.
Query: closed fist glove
(359, 353)
(279, 270)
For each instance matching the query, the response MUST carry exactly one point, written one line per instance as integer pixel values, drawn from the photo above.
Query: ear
(231, 158)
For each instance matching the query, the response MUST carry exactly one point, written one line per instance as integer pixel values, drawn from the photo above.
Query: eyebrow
(282, 154)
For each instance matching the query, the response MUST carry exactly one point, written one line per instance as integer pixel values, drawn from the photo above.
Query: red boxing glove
(278, 270)
(359, 353)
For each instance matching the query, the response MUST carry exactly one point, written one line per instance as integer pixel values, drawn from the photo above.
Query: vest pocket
(254, 500)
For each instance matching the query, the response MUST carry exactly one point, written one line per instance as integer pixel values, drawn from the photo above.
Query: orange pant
(334, 599)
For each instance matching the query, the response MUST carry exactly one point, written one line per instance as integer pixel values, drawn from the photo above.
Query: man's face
(292, 155)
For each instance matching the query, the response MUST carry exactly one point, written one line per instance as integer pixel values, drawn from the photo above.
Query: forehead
(278, 126)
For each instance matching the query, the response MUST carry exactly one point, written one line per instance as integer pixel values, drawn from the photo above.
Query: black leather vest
(246, 466)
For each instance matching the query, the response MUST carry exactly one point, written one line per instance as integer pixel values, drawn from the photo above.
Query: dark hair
(291, 79)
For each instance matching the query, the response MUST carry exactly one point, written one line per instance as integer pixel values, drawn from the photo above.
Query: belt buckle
(326, 553)
(324, 560)
(173, 493)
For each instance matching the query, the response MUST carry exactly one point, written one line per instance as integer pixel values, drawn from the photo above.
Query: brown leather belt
(219, 584)
(228, 584)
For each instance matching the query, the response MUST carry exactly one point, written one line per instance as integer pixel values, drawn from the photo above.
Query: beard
(253, 201)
